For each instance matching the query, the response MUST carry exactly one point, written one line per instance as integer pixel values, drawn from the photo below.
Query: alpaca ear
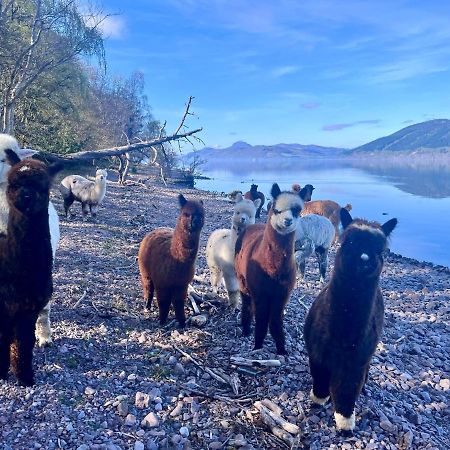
(275, 191)
(181, 200)
(54, 168)
(201, 202)
(389, 226)
(303, 193)
(238, 197)
(257, 203)
(346, 218)
(11, 157)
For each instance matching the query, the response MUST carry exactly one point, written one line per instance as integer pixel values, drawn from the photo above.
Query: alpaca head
(100, 175)
(306, 192)
(254, 188)
(192, 214)
(363, 245)
(29, 183)
(244, 211)
(285, 212)
(7, 142)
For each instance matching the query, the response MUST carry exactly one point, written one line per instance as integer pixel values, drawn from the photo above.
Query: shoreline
(106, 351)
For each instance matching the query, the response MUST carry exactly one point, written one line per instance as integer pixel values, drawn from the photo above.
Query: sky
(325, 72)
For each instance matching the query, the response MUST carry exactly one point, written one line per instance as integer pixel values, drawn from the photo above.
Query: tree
(37, 37)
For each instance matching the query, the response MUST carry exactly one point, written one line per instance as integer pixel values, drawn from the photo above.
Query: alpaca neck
(277, 250)
(236, 231)
(100, 189)
(353, 300)
(184, 245)
(28, 240)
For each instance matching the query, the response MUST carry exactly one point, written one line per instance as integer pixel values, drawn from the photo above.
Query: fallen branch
(83, 296)
(273, 411)
(257, 363)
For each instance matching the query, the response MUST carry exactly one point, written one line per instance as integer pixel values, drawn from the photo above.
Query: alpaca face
(8, 142)
(286, 212)
(192, 215)
(28, 187)
(101, 174)
(244, 212)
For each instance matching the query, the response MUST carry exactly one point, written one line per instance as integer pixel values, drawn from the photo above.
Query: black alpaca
(344, 324)
(25, 264)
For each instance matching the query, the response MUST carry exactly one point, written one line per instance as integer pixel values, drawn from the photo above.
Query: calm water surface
(418, 197)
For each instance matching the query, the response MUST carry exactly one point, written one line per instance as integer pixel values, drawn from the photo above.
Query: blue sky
(325, 72)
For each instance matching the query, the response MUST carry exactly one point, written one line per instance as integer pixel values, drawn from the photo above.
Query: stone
(151, 420)
(138, 445)
(141, 400)
(130, 420)
(122, 408)
(184, 431)
(89, 390)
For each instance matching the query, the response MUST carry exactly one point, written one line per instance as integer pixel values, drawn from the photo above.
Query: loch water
(418, 195)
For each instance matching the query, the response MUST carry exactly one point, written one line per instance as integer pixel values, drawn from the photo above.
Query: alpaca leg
(164, 299)
(322, 259)
(68, 201)
(93, 209)
(246, 314)
(43, 330)
(276, 328)
(345, 389)
(216, 278)
(232, 285)
(5, 340)
(85, 210)
(178, 300)
(149, 289)
(262, 312)
(320, 392)
(22, 349)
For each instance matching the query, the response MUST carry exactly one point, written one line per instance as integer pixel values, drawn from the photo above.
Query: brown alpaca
(253, 194)
(306, 191)
(26, 261)
(345, 322)
(266, 270)
(167, 260)
(329, 209)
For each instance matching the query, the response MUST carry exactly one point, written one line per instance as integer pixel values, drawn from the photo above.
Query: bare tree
(37, 37)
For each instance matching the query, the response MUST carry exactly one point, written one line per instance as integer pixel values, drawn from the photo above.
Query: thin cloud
(284, 70)
(310, 105)
(341, 126)
(113, 27)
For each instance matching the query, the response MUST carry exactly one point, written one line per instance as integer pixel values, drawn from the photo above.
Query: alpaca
(252, 195)
(265, 268)
(25, 264)
(329, 209)
(345, 322)
(220, 247)
(89, 193)
(314, 234)
(233, 194)
(167, 260)
(43, 330)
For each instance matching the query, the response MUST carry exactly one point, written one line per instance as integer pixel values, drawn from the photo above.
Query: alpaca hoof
(318, 400)
(44, 341)
(344, 423)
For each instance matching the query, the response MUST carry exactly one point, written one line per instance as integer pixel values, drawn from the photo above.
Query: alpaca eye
(275, 211)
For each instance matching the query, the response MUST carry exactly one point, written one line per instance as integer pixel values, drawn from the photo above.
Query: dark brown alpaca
(25, 264)
(266, 270)
(305, 192)
(345, 322)
(253, 194)
(167, 260)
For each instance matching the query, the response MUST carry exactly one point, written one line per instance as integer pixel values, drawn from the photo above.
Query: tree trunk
(7, 117)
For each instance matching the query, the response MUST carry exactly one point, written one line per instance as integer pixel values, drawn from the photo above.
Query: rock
(83, 447)
(138, 445)
(178, 368)
(89, 390)
(184, 431)
(177, 410)
(388, 426)
(122, 408)
(199, 320)
(445, 384)
(69, 427)
(151, 420)
(172, 360)
(130, 420)
(141, 400)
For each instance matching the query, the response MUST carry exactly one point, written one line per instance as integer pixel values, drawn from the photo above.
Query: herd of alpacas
(258, 263)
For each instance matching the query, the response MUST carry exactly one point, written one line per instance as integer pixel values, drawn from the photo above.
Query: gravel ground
(113, 378)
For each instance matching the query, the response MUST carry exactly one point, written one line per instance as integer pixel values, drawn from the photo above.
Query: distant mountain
(243, 151)
(433, 134)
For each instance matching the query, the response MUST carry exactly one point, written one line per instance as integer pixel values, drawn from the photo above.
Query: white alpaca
(314, 233)
(220, 247)
(43, 331)
(89, 193)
